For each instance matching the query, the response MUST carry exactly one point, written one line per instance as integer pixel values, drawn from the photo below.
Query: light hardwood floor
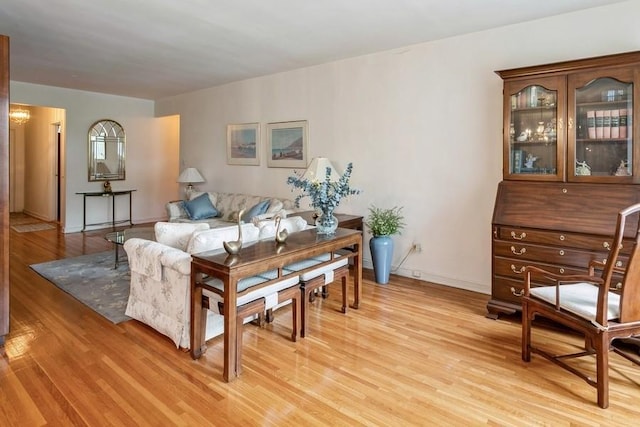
(413, 354)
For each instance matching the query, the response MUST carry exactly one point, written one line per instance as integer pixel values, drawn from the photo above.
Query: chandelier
(19, 116)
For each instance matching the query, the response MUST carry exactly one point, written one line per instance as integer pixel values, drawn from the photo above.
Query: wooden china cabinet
(571, 161)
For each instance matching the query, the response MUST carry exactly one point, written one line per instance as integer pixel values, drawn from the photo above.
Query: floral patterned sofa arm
(160, 301)
(148, 258)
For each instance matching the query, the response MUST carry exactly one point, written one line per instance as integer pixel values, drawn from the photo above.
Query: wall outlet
(417, 247)
(416, 273)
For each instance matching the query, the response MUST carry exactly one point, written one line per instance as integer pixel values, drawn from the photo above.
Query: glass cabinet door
(533, 134)
(600, 136)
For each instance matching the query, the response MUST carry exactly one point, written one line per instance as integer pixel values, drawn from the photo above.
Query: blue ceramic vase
(381, 254)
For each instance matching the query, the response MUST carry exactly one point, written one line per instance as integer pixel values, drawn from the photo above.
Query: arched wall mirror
(106, 151)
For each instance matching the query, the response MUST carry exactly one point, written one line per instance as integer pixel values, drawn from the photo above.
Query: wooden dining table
(255, 258)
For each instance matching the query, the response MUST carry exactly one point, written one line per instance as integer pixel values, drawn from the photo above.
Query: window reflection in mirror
(106, 151)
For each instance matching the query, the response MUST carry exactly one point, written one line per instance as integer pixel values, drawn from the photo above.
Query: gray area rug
(92, 280)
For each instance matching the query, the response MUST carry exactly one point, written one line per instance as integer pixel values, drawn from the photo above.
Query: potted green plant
(382, 224)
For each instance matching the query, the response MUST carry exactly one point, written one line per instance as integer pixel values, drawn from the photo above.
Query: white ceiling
(156, 48)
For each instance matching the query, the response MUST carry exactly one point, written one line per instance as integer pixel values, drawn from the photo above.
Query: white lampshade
(317, 170)
(190, 176)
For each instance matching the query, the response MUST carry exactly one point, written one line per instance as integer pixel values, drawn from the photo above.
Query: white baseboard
(440, 280)
(136, 221)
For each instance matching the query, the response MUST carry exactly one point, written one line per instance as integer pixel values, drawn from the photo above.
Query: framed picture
(243, 144)
(287, 144)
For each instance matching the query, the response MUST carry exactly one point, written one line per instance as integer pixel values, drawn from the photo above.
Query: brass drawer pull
(561, 270)
(562, 237)
(607, 246)
(561, 252)
(517, 270)
(520, 237)
(517, 293)
(521, 252)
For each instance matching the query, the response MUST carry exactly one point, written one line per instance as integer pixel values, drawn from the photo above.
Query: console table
(253, 259)
(112, 194)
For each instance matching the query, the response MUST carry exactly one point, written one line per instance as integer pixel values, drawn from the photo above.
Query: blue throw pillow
(258, 209)
(200, 208)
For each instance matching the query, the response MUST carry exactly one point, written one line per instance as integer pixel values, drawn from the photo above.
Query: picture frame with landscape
(287, 144)
(243, 144)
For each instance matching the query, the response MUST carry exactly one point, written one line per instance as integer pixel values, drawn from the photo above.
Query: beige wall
(422, 125)
(151, 158)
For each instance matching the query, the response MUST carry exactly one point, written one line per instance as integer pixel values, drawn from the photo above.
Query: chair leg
(239, 329)
(246, 310)
(295, 316)
(526, 332)
(306, 290)
(345, 287)
(325, 291)
(602, 369)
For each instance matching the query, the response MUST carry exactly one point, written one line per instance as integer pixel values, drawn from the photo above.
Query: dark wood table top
(344, 220)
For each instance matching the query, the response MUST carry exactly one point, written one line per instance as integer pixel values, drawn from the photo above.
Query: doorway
(57, 136)
(37, 163)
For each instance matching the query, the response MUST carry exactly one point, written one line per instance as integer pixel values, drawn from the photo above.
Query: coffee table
(119, 237)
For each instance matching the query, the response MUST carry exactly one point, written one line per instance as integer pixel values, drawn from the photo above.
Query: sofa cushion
(229, 204)
(327, 270)
(213, 196)
(257, 209)
(275, 206)
(270, 292)
(177, 234)
(175, 210)
(200, 208)
(208, 240)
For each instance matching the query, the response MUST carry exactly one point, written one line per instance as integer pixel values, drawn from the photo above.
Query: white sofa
(227, 206)
(160, 294)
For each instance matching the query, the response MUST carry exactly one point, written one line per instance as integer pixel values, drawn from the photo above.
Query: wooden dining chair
(254, 301)
(599, 306)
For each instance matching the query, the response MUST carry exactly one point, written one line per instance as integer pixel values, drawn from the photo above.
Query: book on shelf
(516, 167)
(591, 124)
(606, 124)
(623, 123)
(599, 123)
(615, 123)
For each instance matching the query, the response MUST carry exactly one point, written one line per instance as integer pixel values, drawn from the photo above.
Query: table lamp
(190, 176)
(317, 170)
